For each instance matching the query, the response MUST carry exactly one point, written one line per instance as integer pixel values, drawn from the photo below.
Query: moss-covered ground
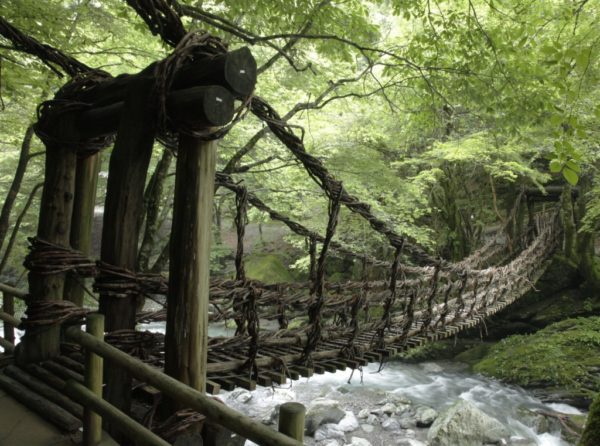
(563, 355)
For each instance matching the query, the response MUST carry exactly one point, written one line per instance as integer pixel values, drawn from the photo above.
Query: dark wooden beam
(208, 106)
(235, 71)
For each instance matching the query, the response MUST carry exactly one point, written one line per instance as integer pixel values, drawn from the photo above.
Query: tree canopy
(435, 112)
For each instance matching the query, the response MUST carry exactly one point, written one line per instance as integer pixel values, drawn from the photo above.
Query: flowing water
(434, 384)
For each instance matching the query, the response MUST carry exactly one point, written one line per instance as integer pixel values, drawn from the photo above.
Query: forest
(451, 125)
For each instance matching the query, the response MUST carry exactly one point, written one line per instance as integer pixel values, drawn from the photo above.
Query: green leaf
(555, 166)
(571, 177)
(573, 166)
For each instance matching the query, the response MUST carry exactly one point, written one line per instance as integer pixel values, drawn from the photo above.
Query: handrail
(136, 431)
(218, 412)
(19, 294)
(9, 319)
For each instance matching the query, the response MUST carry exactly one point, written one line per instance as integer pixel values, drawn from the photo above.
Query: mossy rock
(563, 355)
(268, 268)
(591, 434)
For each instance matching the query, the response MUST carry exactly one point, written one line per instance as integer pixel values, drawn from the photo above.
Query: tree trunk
(16, 184)
(152, 200)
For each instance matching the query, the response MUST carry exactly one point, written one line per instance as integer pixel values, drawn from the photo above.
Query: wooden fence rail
(213, 410)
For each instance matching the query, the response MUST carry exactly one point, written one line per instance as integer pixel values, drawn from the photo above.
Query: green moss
(560, 355)
(268, 268)
(473, 355)
(591, 434)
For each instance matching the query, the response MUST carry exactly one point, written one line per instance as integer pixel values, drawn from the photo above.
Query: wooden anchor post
(54, 226)
(124, 200)
(187, 310)
(86, 181)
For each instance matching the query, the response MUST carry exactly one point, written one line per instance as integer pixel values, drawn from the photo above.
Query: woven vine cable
(358, 302)
(379, 336)
(459, 297)
(445, 309)
(253, 328)
(241, 220)
(428, 313)
(317, 291)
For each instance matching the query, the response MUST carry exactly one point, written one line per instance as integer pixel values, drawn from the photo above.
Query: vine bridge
(192, 94)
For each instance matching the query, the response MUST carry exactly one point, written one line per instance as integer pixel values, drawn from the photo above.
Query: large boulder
(322, 411)
(465, 425)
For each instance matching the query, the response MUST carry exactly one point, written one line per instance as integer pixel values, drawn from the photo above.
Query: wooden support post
(86, 180)
(129, 427)
(54, 226)
(92, 422)
(8, 306)
(291, 420)
(124, 202)
(187, 310)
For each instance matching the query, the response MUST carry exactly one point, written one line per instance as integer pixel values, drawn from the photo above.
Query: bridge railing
(181, 393)
(177, 391)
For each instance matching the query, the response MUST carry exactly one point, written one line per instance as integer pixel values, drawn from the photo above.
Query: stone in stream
(359, 441)
(537, 421)
(322, 411)
(465, 425)
(425, 416)
(410, 442)
(349, 423)
(390, 424)
(329, 431)
(241, 395)
(364, 413)
(387, 409)
(367, 428)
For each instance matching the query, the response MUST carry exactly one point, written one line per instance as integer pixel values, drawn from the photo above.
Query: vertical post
(187, 310)
(8, 306)
(86, 181)
(54, 226)
(128, 168)
(291, 420)
(92, 422)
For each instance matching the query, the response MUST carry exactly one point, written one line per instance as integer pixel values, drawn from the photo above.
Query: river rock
(387, 409)
(364, 413)
(390, 424)
(425, 416)
(407, 421)
(329, 431)
(410, 442)
(367, 428)
(537, 421)
(465, 425)
(241, 395)
(272, 416)
(372, 419)
(349, 423)
(359, 441)
(322, 411)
